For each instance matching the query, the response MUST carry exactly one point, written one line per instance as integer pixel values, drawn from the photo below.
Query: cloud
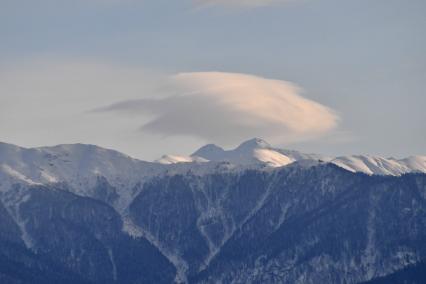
(46, 101)
(227, 108)
(243, 3)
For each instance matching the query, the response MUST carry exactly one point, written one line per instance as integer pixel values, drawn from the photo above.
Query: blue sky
(364, 60)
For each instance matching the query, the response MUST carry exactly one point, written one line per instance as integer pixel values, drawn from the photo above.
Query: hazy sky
(149, 77)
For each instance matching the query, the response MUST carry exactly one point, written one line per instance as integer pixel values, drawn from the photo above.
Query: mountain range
(258, 151)
(255, 214)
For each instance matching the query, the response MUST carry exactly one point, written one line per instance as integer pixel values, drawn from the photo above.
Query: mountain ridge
(195, 219)
(52, 164)
(258, 151)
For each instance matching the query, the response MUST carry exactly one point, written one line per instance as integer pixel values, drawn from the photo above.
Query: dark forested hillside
(298, 224)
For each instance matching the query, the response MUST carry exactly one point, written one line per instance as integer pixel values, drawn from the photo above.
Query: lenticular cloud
(228, 107)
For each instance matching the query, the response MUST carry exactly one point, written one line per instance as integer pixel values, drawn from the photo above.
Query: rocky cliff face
(305, 223)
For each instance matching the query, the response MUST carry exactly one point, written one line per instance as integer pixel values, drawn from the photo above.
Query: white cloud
(47, 101)
(227, 108)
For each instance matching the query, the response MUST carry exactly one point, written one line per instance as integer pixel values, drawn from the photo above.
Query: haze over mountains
(255, 214)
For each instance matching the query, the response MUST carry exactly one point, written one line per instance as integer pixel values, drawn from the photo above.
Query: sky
(154, 77)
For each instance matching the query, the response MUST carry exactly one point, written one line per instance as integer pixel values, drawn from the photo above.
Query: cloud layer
(247, 3)
(228, 107)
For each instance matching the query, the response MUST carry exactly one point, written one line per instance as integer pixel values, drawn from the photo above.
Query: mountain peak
(254, 143)
(209, 152)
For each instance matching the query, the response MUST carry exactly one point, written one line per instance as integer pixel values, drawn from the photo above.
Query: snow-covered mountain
(251, 152)
(381, 166)
(258, 152)
(82, 167)
(254, 214)
(254, 151)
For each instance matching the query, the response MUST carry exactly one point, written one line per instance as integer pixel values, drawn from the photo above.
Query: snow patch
(272, 158)
(17, 175)
(114, 267)
(12, 202)
(174, 159)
